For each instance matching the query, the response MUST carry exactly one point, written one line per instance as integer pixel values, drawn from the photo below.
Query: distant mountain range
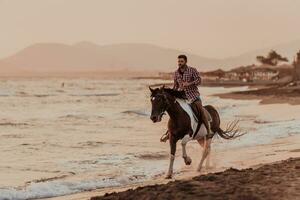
(86, 56)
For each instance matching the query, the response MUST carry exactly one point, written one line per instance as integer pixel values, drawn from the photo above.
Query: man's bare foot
(164, 137)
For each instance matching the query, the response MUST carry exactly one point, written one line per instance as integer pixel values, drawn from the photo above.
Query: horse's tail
(232, 131)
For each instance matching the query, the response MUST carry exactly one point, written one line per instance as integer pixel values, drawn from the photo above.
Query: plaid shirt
(189, 75)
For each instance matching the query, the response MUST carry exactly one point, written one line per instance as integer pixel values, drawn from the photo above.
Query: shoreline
(265, 94)
(271, 95)
(253, 157)
(265, 182)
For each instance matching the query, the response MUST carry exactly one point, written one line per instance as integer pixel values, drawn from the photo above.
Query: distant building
(215, 75)
(297, 67)
(264, 74)
(243, 73)
(251, 73)
(166, 75)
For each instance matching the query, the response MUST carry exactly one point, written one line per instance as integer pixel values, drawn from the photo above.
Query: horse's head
(159, 103)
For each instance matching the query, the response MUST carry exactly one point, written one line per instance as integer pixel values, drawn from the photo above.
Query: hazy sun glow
(214, 28)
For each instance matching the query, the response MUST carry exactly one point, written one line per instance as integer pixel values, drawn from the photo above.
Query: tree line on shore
(273, 59)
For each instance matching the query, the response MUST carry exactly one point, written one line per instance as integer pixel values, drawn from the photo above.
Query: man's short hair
(183, 57)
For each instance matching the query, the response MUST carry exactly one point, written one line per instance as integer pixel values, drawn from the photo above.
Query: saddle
(193, 114)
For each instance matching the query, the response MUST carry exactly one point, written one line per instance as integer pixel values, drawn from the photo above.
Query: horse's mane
(175, 93)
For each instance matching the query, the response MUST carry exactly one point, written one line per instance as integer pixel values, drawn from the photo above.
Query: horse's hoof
(188, 160)
(169, 176)
(209, 167)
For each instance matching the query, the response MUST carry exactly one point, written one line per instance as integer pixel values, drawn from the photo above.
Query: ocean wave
(80, 117)
(43, 95)
(23, 94)
(153, 156)
(136, 112)
(267, 122)
(96, 95)
(262, 121)
(49, 179)
(12, 136)
(13, 124)
(90, 144)
(60, 91)
(58, 188)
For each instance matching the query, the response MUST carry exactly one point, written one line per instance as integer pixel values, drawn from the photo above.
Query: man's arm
(196, 79)
(175, 85)
(177, 82)
(196, 76)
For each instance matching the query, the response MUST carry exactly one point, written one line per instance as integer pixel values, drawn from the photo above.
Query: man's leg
(198, 105)
(165, 137)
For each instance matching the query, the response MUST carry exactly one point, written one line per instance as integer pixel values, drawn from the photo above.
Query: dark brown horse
(180, 124)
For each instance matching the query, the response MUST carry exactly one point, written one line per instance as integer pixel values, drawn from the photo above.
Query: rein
(168, 104)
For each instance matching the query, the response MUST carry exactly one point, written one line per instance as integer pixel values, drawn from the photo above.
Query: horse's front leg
(173, 142)
(184, 141)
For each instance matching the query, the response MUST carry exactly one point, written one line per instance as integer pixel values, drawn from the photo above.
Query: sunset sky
(213, 28)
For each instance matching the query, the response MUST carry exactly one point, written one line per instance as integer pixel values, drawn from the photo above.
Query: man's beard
(181, 66)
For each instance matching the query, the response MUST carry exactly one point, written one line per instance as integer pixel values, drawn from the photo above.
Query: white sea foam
(57, 188)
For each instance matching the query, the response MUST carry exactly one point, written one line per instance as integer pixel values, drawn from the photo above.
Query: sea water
(63, 136)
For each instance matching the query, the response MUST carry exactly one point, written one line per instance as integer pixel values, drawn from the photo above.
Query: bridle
(167, 103)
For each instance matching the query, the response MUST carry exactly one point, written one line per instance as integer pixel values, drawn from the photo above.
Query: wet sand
(272, 181)
(239, 158)
(271, 95)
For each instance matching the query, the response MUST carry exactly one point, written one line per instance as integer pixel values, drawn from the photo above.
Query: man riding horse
(183, 124)
(187, 79)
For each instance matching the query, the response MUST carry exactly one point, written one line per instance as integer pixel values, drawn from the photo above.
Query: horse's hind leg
(184, 141)
(207, 163)
(206, 145)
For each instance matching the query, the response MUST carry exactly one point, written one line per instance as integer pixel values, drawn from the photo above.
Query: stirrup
(164, 137)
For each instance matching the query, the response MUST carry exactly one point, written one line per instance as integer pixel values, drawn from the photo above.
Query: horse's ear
(151, 90)
(162, 87)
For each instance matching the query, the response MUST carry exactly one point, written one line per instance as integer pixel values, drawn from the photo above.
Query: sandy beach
(242, 158)
(272, 181)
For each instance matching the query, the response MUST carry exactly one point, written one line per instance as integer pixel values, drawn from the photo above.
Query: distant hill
(288, 50)
(7, 69)
(86, 56)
